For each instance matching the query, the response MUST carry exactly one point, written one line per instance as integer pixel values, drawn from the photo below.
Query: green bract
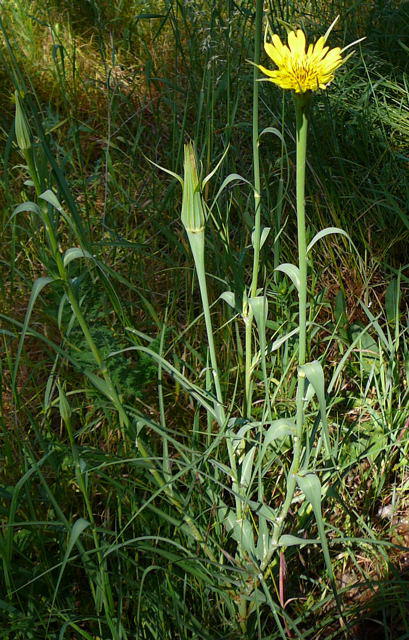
(193, 216)
(22, 129)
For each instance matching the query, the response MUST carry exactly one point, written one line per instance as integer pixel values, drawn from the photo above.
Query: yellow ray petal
(296, 42)
(268, 72)
(274, 53)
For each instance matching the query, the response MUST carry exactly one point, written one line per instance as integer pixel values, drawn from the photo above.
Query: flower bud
(193, 216)
(22, 129)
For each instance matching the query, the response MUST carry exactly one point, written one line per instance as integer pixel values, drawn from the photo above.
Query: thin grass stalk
(248, 315)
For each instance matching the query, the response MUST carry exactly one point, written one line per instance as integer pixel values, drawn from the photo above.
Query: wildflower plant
(302, 70)
(238, 454)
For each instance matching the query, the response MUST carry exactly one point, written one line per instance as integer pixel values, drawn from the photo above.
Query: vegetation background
(91, 545)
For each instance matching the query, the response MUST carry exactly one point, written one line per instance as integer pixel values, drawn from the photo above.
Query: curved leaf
(274, 131)
(230, 178)
(327, 232)
(263, 236)
(259, 307)
(202, 396)
(292, 272)
(211, 174)
(229, 297)
(31, 207)
(311, 487)
(73, 253)
(50, 197)
(38, 286)
(315, 375)
(78, 527)
(279, 429)
(171, 173)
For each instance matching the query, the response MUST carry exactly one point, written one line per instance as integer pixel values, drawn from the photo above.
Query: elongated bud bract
(22, 129)
(193, 216)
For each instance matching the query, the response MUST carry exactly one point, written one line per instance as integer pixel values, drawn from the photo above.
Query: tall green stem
(196, 240)
(248, 312)
(257, 206)
(301, 110)
(301, 106)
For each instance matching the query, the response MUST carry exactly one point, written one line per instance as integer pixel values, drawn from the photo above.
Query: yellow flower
(302, 69)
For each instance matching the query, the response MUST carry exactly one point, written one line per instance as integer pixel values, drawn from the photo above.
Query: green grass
(116, 500)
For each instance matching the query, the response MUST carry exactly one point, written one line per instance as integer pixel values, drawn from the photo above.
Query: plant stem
(197, 246)
(301, 107)
(196, 240)
(247, 311)
(248, 314)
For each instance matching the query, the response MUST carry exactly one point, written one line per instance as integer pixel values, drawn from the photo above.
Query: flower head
(299, 68)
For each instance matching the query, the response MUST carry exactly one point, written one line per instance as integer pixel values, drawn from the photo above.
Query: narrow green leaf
(230, 178)
(263, 236)
(211, 174)
(21, 126)
(238, 438)
(340, 309)
(247, 468)
(315, 376)
(292, 541)
(274, 131)
(78, 527)
(376, 325)
(203, 397)
(259, 306)
(263, 542)
(264, 511)
(38, 286)
(243, 534)
(31, 207)
(311, 487)
(224, 468)
(392, 298)
(100, 384)
(64, 406)
(171, 173)
(277, 343)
